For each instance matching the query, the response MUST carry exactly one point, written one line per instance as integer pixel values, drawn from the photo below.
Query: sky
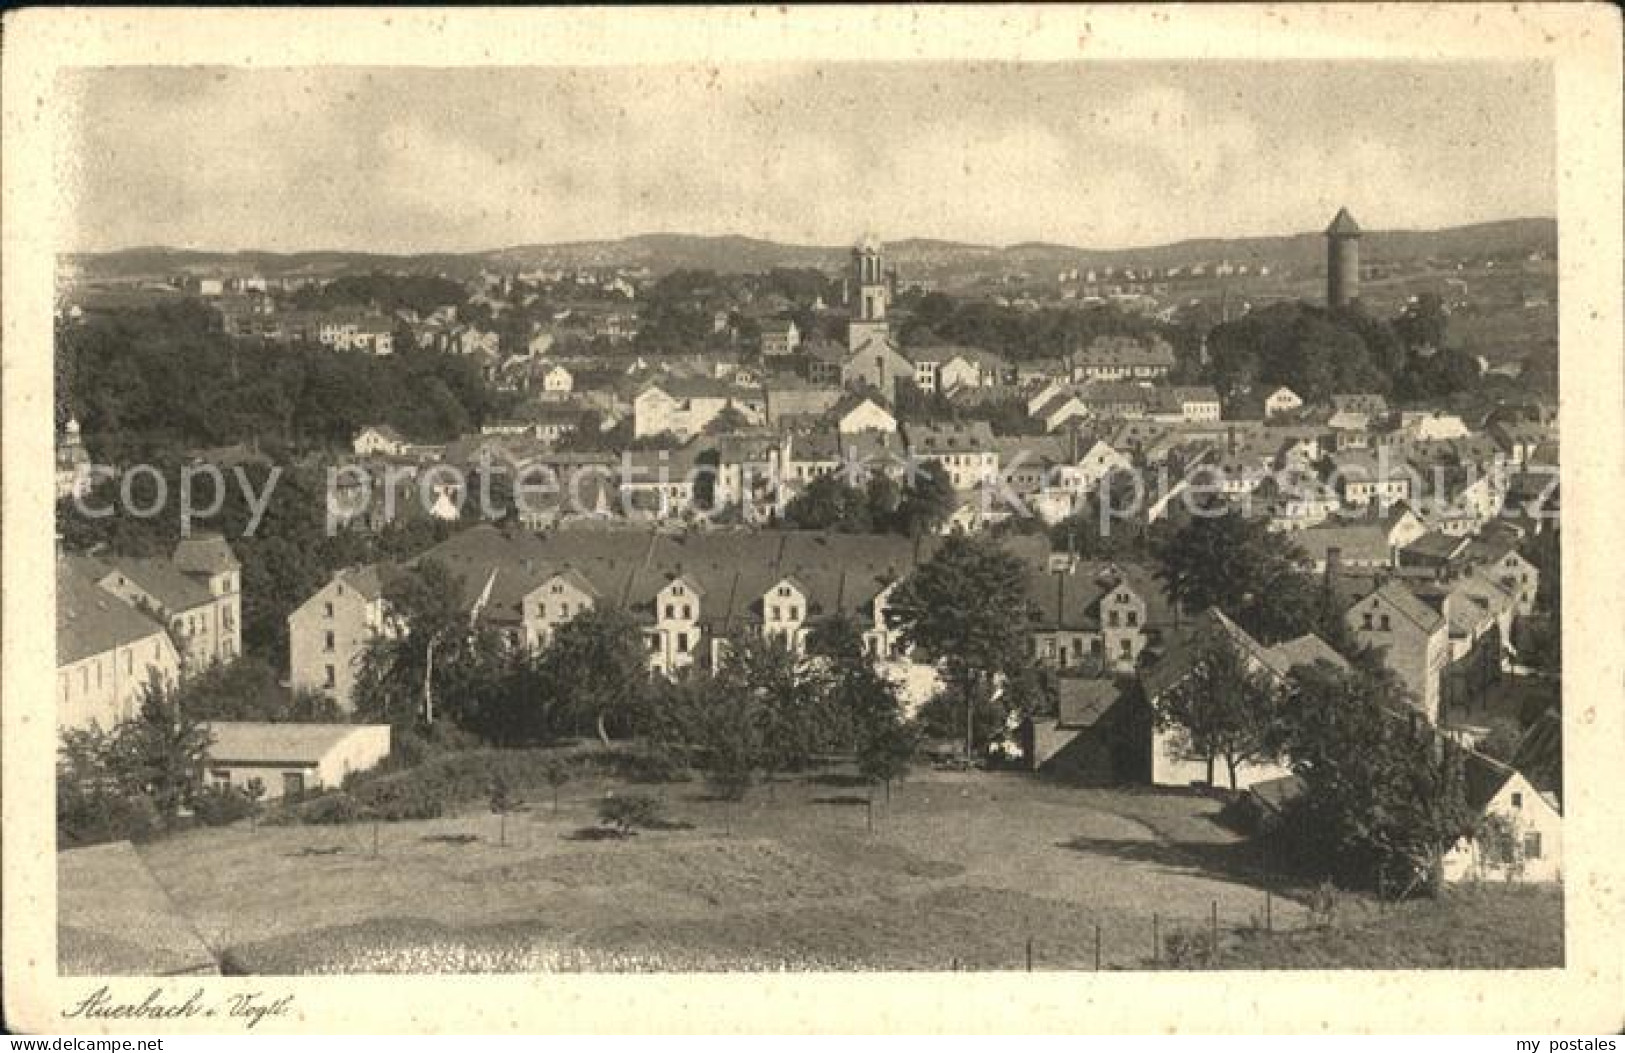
(1098, 155)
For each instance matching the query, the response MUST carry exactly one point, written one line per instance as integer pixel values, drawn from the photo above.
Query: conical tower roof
(1343, 225)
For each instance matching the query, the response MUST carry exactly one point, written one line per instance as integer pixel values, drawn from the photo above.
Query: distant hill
(662, 253)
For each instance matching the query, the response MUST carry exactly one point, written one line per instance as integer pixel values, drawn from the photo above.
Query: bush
(90, 818)
(631, 811)
(651, 765)
(220, 805)
(329, 809)
(1188, 950)
(402, 797)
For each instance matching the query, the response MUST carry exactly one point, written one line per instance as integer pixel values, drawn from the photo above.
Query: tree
(967, 609)
(1237, 565)
(1223, 709)
(501, 803)
(1384, 795)
(557, 774)
(927, 500)
(827, 503)
(412, 667)
(161, 751)
(785, 699)
(596, 668)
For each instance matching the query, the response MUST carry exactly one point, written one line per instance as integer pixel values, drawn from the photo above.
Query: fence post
(1156, 939)
(1097, 946)
(1269, 914)
(1029, 954)
(1214, 930)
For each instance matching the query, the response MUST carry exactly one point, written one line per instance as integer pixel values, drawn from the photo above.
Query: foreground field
(967, 871)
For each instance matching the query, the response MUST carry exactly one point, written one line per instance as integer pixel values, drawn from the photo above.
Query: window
(774, 615)
(1125, 648)
(1384, 622)
(688, 612)
(671, 611)
(795, 613)
(293, 783)
(1111, 619)
(1133, 617)
(1367, 621)
(564, 610)
(1531, 846)
(221, 777)
(327, 643)
(327, 609)
(1517, 800)
(332, 677)
(682, 642)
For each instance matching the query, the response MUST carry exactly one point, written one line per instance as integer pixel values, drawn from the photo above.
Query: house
(557, 380)
(1060, 409)
(1521, 828)
(107, 651)
(72, 464)
(1520, 439)
(965, 450)
(1092, 615)
(1114, 399)
(1362, 480)
(329, 632)
(1123, 358)
(683, 406)
(1172, 764)
(1084, 741)
(1281, 401)
(969, 367)
(780, 337)
(1413, 637)
(291, 759)
(1192, 404)
(825, 362)
(1365, 404)
(789, 398)
(928, 362)
(859, 413)
(378, 440)
(1355, 546)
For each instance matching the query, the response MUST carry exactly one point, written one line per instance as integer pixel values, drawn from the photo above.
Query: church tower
(868, 278)
(1342, 260)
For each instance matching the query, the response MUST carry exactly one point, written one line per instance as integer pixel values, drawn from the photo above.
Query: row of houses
(1094, 621)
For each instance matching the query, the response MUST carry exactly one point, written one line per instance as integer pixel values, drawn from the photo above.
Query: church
(873, 358)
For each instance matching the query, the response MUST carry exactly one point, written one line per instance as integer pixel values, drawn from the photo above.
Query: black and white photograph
(859, 514)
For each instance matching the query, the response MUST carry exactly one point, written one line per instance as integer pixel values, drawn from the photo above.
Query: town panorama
(707, 603)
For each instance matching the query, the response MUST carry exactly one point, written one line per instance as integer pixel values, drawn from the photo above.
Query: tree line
(145, 383)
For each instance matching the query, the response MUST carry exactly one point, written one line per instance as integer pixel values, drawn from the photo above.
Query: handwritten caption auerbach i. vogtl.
(249, 1008)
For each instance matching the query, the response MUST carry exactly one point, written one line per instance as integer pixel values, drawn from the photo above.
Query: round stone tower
(1342, 260)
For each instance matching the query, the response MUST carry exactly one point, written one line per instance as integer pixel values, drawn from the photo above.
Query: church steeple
(869, 278)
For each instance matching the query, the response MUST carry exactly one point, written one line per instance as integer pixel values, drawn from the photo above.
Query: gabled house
(1521, 836)
(780, 337)
(329, 632)
(378, 440)
(1282, 400)
(107, 652)
(1413, 637)
(1173, 765)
